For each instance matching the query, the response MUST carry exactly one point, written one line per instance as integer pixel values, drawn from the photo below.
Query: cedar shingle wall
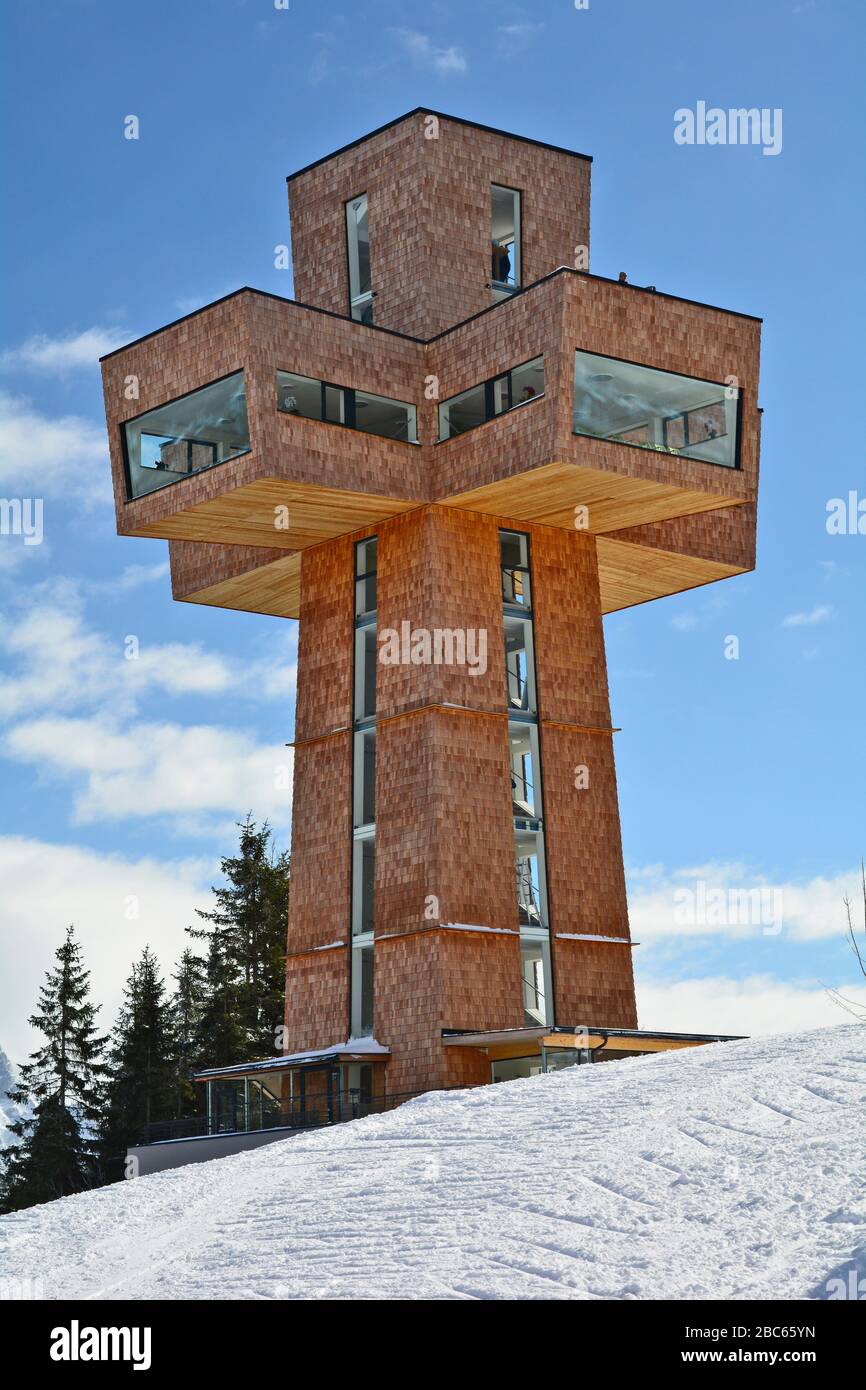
(429, 220)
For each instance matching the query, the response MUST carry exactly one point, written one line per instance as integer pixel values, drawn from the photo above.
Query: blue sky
(738, 774)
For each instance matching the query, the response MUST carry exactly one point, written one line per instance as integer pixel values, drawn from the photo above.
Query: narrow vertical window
(505, 240)
(526, 804)
(358, 243)
(364, 792)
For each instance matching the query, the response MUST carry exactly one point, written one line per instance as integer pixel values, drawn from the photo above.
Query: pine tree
(246, 952)
(141, 1086)
(59, 1089)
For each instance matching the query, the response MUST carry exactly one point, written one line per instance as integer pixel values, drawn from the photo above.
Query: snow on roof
(592, 936)
(732, 1171)
(355, 1046)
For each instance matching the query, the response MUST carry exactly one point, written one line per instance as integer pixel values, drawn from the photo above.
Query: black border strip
(410, 337)
(265, 294)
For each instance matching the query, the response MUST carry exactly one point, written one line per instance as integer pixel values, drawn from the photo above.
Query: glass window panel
(228, 1112)
(519, 665)
(364, 811)
(462, 412)
(198, 430)
(501, 394)
(299, 395)
(516, 588)
(363, 885)
(362, 991)
(505, 237)
(513, 549)
(535, 970)
(365, 596)
(365, 672)
(365, 584)
(335, 405)
(525, 779)
(359, 246)
(514, 1068)
(514, 553)
(674, 414)
(379, 415)
(366, 555)
(527, 381)
(531, 884)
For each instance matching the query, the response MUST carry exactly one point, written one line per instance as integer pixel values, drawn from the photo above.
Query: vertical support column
(447, 944)
(593, 980)
(317, 964)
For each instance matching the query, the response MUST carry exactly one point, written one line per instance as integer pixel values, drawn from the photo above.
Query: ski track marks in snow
(729, 1171)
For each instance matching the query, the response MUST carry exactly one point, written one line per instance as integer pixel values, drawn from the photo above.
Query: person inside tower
(528, 394)
(501, 263)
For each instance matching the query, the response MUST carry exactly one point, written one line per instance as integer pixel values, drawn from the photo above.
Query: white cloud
(131, 577)
(63, 664)
(82, 714)
(157, 769)
(45, 887)
(447, 62)
(733, 901)
(819, 614)
(14, 554)
(516, 38)
(318, 70)
(684, 622)
(63, 458)
(41, 353)
(758, 1005)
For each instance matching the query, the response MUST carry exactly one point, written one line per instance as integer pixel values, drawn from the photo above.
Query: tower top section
(431, 219)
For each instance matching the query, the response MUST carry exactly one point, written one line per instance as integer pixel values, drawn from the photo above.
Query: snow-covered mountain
(730, 1171)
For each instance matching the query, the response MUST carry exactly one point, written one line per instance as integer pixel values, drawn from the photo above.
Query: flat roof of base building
(630, 1039)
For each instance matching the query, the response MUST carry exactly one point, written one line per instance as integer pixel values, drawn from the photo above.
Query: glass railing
(653, 409)
(193, 432)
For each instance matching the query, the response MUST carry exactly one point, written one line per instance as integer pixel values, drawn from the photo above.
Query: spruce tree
(221, 1039)
(186, 1008)
(58, 1091)
(246, 952)
(141, 1085)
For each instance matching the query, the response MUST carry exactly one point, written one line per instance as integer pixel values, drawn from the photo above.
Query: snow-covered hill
(731, 1171)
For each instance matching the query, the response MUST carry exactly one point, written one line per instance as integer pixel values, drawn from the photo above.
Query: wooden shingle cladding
(695, 521)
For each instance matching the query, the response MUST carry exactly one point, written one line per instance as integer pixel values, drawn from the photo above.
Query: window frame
(367, 296)
(127, 471)
(499, 287)
(488, 386)
(349, 421)
(735, 467)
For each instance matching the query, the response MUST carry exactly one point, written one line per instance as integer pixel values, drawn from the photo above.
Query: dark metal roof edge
(442, 116)
(604, 279)
(266, 294)
(609, 1032)
(291, 1060)
(410, 337)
